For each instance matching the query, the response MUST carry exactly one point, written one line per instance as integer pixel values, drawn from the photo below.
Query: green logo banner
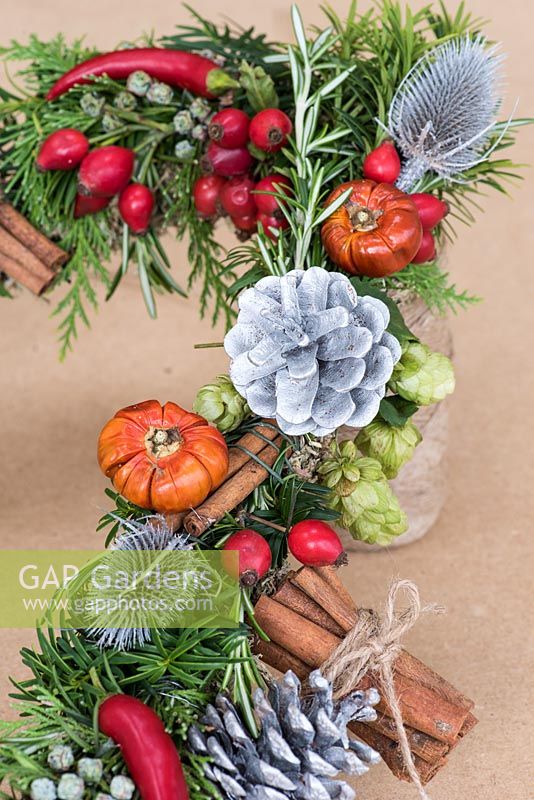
(119, 589)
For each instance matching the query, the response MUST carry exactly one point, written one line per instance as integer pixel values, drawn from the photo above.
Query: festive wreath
(125, 712)
(213, 122)
(343, 153)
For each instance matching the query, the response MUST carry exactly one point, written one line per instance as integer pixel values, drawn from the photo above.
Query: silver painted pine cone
(301, 749)
(310, 352)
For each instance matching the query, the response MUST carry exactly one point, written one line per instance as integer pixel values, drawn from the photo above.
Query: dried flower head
(444, 112)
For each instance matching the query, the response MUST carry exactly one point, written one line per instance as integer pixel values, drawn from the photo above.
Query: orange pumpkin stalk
(376, 232)
(162, 457)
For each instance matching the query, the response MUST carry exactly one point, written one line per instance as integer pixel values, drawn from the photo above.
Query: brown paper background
(477, 561)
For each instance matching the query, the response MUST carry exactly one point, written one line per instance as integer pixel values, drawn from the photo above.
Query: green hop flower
(70, 787)
(60, 758)
(125, 100)
(422, 375)
(160, 94)
(90, 769)
(199, 109)
(361, 495)
(220, 403)
(43, 789)
(391, 446)
(184, 150)
(139, 83)
(110, 122)
(183, 122)
(92, 104)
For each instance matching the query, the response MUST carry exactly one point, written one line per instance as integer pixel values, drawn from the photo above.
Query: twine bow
(373, 645)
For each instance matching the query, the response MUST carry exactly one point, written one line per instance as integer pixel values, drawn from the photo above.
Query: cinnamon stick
(301, 638)
(273, 653)
(29, 271)
(331, 576)
(232, 492)
(436, 714)
(313, 584)
(23, 276)
(421, 708)
(292, 597)
(339, 604)
(423, 745)
(18, 226)
(254, 442)
(392, 756)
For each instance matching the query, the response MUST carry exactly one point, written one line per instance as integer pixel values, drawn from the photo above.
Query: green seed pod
(110, 122)
(92, 104)
(199, 109)
(43, 789)
(90, 769)
(389, 445)
(121, 787)
(184, 150)
(60, 758)
(220, 403)
(125, 101)
(70, 787)
(422, 376)
(182, 122)
(199, 133)
(139, 83)
(160, 94)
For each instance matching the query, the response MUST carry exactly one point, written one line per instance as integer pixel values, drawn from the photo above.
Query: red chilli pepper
(148, 750)
(188, 71)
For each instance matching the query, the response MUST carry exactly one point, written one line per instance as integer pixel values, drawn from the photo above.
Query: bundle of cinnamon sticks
(245, 474)
(26, 255)
(306, 620)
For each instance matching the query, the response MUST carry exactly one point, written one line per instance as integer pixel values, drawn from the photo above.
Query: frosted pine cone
(302, 745)
(308, 351)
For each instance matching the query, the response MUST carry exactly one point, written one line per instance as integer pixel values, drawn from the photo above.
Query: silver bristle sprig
(443, 114)
(149, 533)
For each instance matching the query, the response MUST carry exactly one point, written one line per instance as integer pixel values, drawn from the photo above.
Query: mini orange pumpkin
(376, 232)
(162, 457)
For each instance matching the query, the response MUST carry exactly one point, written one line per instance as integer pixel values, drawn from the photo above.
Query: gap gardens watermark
(118, 589)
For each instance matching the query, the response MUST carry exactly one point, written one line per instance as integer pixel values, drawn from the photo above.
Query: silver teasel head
(309, 352)
(444, 113)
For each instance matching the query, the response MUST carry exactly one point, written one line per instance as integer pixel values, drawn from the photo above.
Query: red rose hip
(63, 150)
(105, 171)
(247, 224)
(206, 194)
(226, 162)
(267, 203)
(382, 164)
(229, 128)
(427, 249)
(316, 544)
(269, 130)
(236, 197)
(136, 204)
(254, 555)
(270, 222)
(84, 205)
(431, 209)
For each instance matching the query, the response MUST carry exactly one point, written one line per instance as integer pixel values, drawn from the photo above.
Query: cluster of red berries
(383, 165)
(227, 188)
(312, 542)
(103, 173)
